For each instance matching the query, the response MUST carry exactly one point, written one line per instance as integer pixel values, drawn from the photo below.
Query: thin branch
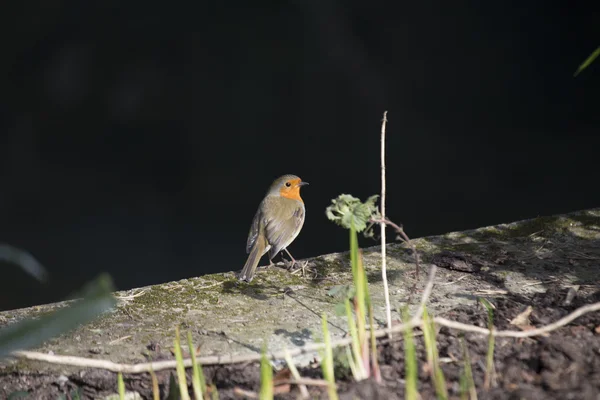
(386, 292)
(304, 381)
(426, 294)
(521, 334)
(303, 390)
(310, 348)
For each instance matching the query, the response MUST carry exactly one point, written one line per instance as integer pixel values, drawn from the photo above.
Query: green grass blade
(214, 393)
(464, 385)
(588, 61)
(266, 377)
(97, 299)
(327, 362)
(410, 355)
(121, 386)
(198, 382)
(468, 373)
(356, 349)
(351, 363)
(489, 364)
(437, 376)
(183, 390)
(173, 389)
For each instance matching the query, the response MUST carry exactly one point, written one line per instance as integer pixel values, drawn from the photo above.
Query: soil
(565, 364)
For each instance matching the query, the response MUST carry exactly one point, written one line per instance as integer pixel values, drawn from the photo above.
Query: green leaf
(24, 260)
(588, 61)
(346, 210)
(198, 381)
(173, 388)
(183, 390)
(340, 309)
(97, 299)
(341, 291)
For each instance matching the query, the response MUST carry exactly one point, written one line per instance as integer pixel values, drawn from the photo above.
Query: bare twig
(386, 292)
(310, 348)
(297, 378)
(245, 393)
(521, 334)
(426, 294)
(304, 382)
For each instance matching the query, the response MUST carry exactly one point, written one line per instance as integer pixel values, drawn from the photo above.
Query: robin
(277, 222)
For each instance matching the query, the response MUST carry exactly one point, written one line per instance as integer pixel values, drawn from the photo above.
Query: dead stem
(221, 360)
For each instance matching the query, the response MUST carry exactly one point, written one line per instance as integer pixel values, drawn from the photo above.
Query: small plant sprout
(466, 378)
(489, 364)
(327, 360)
(351, 214)
(198, 382)
(410, 360)
(437, 376)
(266, 377)
(121, 386)
(183, 390)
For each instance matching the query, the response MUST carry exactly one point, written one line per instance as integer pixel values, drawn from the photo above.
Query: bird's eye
(288, 184)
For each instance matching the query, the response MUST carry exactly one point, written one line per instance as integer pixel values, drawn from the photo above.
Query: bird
(277, 222)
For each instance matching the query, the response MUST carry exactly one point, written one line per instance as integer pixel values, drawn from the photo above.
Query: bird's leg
(292, 257)
(271, 264)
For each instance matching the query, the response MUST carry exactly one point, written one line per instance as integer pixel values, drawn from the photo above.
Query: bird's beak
(303, 184)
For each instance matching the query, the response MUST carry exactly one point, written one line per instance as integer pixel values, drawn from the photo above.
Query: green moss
(328, 267)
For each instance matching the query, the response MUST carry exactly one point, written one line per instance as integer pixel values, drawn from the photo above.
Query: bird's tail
(256, 253)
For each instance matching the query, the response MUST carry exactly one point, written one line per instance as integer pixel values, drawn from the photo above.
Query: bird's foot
(271, 265)
(303, 269)
(289, 265)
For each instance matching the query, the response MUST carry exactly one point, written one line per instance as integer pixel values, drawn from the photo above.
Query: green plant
(96, 298)
(266, 377)
(489, 364)
(198, 381)
(348, 212)
(183, 390)
(121, 386)
(410, 360)
(467, 383)
(437, 376)
(588, 61)
(327, 360)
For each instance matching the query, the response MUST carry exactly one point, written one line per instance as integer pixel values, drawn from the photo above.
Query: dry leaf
(522, 320)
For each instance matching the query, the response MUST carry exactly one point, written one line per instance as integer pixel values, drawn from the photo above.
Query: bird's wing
(254, 230)
(283, 223)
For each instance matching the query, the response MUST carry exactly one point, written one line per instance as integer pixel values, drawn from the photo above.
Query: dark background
(139, 137)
